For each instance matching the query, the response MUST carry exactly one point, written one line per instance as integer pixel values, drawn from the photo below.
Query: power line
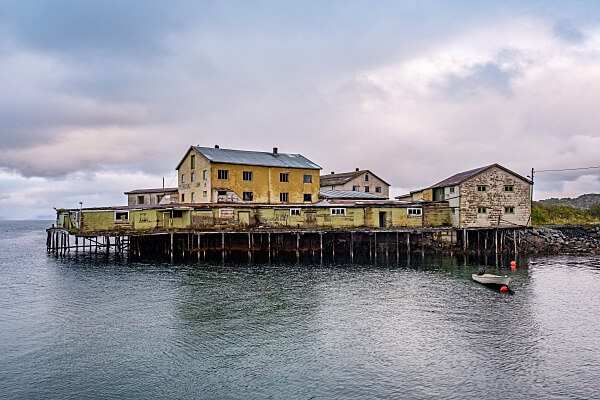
(566, 169)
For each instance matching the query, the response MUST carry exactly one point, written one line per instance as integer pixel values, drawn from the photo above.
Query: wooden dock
(357, 245)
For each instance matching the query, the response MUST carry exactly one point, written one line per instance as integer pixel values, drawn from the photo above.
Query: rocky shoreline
(569, 239)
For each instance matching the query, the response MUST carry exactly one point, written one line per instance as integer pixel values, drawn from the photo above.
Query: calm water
(77, 329)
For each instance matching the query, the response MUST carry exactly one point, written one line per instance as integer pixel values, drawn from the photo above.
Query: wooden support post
(515, 243)
(321, 245)
(397, 248)
(465, 240)
(370, 250)
(478, 242)
(496, 241)
(352, 247)
(408, 243)
(76, 244)
(375, 246)
(171, 248)
(269, 246)
(387, 250)
(297, 247)
(223, 247)
(333, 246)
(422, 245)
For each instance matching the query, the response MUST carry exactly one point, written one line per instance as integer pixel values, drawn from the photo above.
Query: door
(382, 219)
(244, 218)
(310, 218)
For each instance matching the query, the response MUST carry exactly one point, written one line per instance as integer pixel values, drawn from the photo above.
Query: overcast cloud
(100, 97)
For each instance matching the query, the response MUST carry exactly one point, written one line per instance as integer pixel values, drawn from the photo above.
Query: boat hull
(490, 279)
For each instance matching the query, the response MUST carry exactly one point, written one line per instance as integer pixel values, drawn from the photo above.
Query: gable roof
(349, 194)
(459, 178)
(259, 158)
(345, 177)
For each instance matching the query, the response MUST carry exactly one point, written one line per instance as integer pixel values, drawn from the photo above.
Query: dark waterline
(88, 328)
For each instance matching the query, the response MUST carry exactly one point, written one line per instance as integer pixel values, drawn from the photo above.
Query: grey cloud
(568, 32)
(480, 78)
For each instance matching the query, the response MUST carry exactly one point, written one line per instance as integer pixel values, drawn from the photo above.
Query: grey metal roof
(463, 176)
(261, 158)
(159, 190)
(349, 194)
(345, 177)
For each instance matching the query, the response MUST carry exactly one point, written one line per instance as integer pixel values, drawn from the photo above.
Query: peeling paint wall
(196, 184)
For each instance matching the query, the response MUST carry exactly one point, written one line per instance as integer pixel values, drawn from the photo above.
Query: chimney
(274, 150)
(332, 172)
(216, 146)
(357, 169)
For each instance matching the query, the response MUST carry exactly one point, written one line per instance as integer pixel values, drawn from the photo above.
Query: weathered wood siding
(494, 199)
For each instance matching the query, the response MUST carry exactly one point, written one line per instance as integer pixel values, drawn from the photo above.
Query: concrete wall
(494, 199)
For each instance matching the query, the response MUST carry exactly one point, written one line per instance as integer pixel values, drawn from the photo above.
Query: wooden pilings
(340, 246)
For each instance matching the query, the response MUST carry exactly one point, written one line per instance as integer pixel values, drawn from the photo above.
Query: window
(307, 178)
(204, 194)
(414, 212)
(193, 162)
(226, 213)
(284, 197)
(356, 188)
(452, 189)
(338, 211)
(192, 177)
(509, 188)
(223, 174)
(121, 215)
(284, 177)
(143, 217)
(182, 197)
(366, 189)
(140, 199)
(247, 175)
(453, 210)
(159, 197)
(481, 188)
(221, 193)
(509, 210)
(177, 214)
(378, 189)
(481, 210)
(248, 196)
(307, 197)
(204, 174)
(366, 177)
(295, 211)
(182, 178)
(192, 197)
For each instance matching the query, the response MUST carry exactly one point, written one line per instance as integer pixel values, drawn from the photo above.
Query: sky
(101, 97)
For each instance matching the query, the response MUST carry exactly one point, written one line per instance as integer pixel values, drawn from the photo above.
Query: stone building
(357, 181)
(215, 175)
(490, 196)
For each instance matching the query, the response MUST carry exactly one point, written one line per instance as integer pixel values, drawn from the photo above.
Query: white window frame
(336, 211)
(414, 211)
(295, 212)
(121, 212)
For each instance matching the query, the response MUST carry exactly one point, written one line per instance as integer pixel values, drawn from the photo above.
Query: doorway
(382, 219)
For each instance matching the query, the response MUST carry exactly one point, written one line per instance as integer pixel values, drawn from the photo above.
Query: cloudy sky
(99, 97)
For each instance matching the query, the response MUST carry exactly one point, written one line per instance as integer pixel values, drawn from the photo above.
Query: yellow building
(215, 175)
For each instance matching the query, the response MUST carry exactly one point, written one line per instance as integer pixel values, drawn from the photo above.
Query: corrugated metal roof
(350, 195)
(261, 158)
(159, 190)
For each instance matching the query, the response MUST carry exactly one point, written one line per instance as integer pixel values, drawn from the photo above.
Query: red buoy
(504, 289)
(513, 265)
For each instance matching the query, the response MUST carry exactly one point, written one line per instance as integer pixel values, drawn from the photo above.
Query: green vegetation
(545, 214)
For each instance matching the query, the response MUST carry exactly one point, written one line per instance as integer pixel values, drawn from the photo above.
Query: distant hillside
(584, 202)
